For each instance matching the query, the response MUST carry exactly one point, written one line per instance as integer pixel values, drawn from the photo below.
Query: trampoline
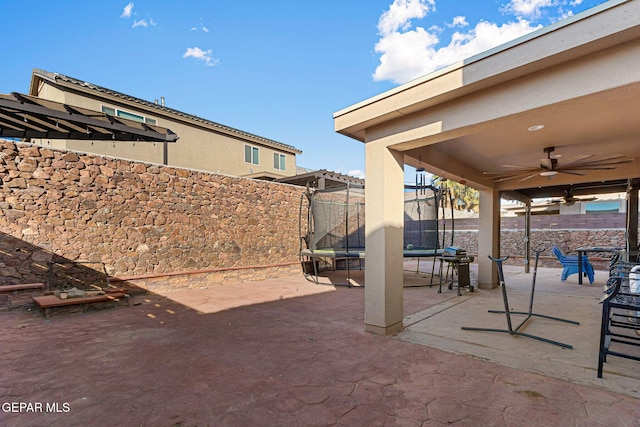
(334, 227)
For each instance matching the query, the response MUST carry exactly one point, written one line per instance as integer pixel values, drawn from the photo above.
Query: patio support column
(488, 238)
(527, 238)
(632, 215)
(384, 227)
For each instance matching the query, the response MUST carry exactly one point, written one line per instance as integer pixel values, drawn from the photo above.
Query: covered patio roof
(25, 116)
(578, 78)
(550, 111)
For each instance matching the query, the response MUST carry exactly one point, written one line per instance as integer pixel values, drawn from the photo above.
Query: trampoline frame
(348, 253)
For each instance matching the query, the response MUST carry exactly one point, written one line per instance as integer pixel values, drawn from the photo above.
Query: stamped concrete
(281, 352)
(440, 327)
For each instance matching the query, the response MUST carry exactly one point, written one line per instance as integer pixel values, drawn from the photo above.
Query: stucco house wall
(202, 145)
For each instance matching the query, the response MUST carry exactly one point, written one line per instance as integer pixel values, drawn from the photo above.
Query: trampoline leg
(315, 270)
(433, 270)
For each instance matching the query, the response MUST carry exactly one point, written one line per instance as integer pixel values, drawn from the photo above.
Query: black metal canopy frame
(24, 116)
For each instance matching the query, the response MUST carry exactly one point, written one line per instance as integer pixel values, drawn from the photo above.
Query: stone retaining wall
(567, 233)
(138, 219)
(168, 227)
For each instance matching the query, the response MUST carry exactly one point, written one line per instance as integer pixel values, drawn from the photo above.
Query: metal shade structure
(29, 117)
(323, 179)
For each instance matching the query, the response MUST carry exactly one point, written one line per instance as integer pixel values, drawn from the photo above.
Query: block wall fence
(163, 227)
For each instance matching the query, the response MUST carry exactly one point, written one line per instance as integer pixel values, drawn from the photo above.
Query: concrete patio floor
(440, 327)
(288, 352)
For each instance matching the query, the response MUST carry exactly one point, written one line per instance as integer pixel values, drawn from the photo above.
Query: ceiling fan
(550, 166)
(569, 199)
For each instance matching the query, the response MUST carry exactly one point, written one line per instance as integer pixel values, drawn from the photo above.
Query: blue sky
(277, 68)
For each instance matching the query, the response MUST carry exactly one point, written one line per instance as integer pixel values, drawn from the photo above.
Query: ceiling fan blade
(520, 167)
(530, 176)
(523, 176)
(573, 200)
(578, 159)
(611, 157)
(571, 172)
(509, 173)
(590, 168)
(604, 162)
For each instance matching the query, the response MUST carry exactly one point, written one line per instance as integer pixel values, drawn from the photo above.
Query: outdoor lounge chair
(570, 264)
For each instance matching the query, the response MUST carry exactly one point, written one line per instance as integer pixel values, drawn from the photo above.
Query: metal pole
(527, 238)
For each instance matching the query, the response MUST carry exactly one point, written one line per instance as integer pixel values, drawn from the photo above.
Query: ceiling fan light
(548, 173)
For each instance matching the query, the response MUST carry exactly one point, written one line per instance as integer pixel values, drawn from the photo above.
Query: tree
(464, 198)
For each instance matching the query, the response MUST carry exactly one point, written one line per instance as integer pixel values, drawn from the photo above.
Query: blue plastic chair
(570, 264)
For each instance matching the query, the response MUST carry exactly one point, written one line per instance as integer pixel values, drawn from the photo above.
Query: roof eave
(480, 72)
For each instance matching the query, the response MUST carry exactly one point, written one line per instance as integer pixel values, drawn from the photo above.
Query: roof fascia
(401, 101)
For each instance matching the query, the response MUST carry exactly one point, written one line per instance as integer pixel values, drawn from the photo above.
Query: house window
(603, 207)
(278, 161)
(116, 112)
(251, 155)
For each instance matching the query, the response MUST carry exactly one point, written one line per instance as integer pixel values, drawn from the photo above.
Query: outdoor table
(585, 250)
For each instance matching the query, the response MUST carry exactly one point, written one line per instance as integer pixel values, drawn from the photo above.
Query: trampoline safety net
(337, 219)
(421, 219)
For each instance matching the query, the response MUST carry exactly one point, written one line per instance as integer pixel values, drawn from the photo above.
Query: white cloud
(140, 23)
(400, 14)
(143, 23)
(407, 51)
(357, 173)
(532, 9)
(203, 55)
(126, 12)
(405, 56)
(458, 21)
(200, 26)
(529, 8)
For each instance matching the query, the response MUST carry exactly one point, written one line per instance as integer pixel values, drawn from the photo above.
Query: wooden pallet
(21, 287)
(46, 302)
